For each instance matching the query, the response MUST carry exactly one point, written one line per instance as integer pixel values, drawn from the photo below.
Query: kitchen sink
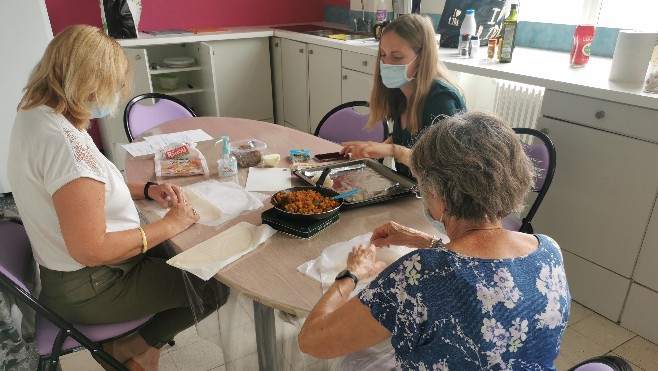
(334, 33)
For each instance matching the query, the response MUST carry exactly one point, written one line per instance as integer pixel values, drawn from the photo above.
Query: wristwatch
(146, 189)
(347, 273)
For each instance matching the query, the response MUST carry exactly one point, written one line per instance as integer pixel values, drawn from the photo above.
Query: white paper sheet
(229, 197)
(333, 260)
(268, 179)
(151, 144)
(207, 258)
(139, 148)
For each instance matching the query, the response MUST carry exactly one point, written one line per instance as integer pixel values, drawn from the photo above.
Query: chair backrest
(603, 363)
(138, 118)
(543, 155)
(344, 124)
(53, 334)
(16, 253)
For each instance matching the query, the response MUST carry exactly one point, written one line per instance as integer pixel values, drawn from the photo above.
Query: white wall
(24, 34)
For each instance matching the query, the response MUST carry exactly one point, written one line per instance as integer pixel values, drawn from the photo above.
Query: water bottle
(468, 24)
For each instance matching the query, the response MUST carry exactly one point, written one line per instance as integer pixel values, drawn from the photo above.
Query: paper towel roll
(631, 57)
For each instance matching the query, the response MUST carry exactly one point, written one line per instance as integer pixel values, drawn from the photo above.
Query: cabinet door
(277, 78)
(111, 128)
(604, 188)
(295, 84)
(645, 271)
(324, 84)
(207, 104)
(243, 79)
(356, 86)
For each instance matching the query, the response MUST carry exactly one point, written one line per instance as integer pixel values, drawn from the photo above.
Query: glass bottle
(509, 34)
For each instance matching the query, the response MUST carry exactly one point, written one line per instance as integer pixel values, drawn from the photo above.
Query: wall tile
(336, 14)
(559, 37)
(604, 42)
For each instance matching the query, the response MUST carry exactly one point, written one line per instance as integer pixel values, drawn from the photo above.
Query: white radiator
(519, 104)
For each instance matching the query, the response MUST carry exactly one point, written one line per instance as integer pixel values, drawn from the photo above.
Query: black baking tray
(296, 228)
(377, 182)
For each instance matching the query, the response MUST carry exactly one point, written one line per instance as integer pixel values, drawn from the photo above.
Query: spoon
(343, 195)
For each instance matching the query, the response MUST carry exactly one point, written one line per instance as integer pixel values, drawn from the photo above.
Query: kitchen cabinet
(357, 74)
(311, 83)
(602, 195)
(229, 78)
(277, 78)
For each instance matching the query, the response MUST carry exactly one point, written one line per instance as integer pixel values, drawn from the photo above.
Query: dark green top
(443, 100)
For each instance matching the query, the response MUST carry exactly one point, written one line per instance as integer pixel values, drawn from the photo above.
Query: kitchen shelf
(173, 69)
(177, 91)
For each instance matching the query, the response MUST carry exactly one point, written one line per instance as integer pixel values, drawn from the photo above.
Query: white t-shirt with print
(47, 152)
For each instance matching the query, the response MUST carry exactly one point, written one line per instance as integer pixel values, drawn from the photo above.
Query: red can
(582, 40)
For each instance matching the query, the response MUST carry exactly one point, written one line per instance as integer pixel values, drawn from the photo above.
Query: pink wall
(166, 14)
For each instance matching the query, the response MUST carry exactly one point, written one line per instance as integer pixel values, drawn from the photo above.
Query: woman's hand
(359, 150)
(395, 234)
(362, 262)
(182, 216)
(167, 194)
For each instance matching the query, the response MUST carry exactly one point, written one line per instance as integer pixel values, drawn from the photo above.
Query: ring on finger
(194, 211)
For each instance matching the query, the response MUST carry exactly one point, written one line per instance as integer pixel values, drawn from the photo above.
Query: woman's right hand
(182, 216)
(359, 150)
(394, 234)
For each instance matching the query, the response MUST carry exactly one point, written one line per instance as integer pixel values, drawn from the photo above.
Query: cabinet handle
(276, 45)
(344, 77)
(544, 130)
(138, 57)
(310, 51)
(599, 114)
(301, 50)
(364, 63)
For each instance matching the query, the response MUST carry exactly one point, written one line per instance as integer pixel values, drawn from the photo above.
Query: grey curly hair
(476, 162)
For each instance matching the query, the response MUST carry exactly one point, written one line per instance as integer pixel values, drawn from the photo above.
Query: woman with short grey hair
(487, 299)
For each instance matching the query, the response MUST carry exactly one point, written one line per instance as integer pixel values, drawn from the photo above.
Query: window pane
(630, 14)
(559, 11)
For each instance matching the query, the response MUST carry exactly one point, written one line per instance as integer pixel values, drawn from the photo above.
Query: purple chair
(54, 336)
(543, 155)
(344, 124)
(138, 118)
(603, 363)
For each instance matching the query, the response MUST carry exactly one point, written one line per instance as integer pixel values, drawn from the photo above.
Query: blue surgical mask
(395, 75)
(437, 224)
(98, 112)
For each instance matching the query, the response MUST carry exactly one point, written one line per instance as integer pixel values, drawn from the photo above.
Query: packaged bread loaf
(180, 159)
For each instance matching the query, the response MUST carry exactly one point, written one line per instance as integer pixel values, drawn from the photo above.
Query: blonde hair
(417, 30)
(80, 65)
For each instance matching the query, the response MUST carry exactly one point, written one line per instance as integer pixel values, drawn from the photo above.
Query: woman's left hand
(362, 262)
(167, 194)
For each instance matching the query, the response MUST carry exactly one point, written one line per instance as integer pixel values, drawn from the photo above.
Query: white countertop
(530, 66)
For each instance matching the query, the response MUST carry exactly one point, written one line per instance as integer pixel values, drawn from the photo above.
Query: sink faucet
(363, 21)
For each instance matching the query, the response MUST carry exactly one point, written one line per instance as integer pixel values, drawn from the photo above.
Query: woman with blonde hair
(95, 261)
(412, 87)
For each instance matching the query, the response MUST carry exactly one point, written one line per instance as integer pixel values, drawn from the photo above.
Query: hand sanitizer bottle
(227, 165)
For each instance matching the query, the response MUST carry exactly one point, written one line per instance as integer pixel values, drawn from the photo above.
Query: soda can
(582, 41)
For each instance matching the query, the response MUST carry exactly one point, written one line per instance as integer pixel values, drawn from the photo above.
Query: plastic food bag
(180, 160)
(121, 17)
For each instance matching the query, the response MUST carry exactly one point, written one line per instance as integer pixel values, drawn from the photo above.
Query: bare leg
(135, 353)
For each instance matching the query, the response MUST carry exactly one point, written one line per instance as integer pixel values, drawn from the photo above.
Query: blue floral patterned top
(447, 311)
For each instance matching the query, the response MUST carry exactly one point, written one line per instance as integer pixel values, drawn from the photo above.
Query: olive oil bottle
(509, 34)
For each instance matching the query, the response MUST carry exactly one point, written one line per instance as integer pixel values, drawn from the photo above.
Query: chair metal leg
(171, 343)
(265, 337)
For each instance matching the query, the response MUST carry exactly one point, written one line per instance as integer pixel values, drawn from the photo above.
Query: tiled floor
(587, 335)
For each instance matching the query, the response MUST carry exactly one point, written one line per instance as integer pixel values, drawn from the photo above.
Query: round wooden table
(269, 274)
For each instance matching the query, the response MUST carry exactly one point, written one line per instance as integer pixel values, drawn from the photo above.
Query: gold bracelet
(145, 244)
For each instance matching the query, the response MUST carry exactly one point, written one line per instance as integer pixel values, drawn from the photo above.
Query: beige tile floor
(588, 334)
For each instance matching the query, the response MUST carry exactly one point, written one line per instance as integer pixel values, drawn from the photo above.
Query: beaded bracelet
(433, 242)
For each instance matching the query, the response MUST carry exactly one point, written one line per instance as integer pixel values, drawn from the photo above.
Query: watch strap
(146, 189)
(347, 273)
